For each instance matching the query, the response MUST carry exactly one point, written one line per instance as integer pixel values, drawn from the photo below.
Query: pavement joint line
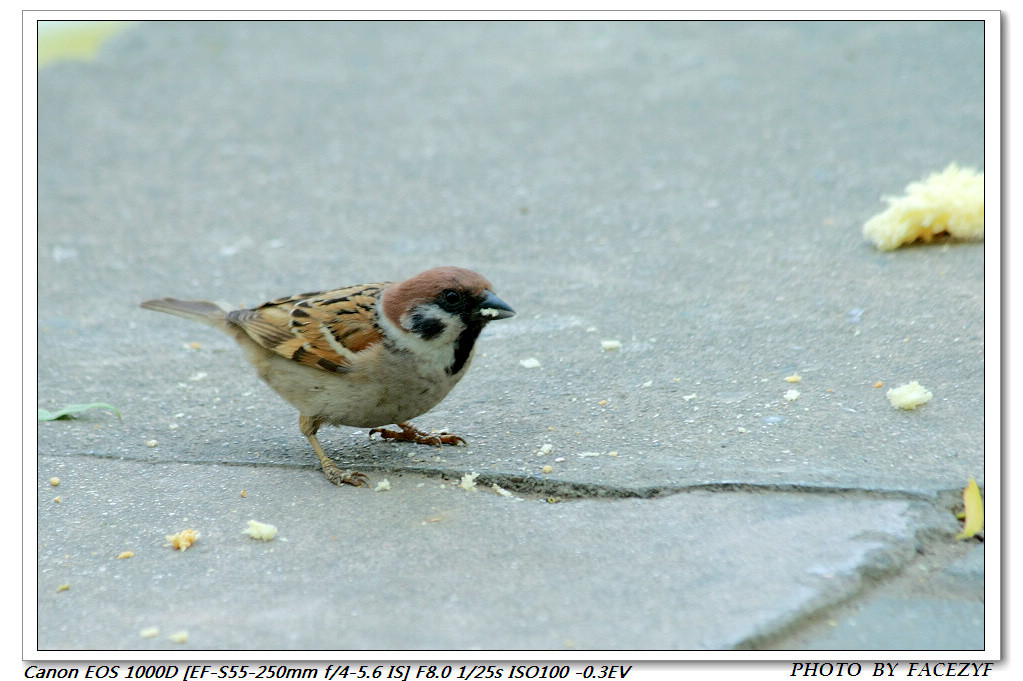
(873, 580)
(566, 490)
(867, 584)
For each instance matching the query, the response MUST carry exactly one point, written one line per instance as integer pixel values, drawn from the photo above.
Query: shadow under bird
(366, 356)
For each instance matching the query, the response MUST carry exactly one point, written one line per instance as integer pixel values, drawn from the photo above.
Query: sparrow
(366, 356)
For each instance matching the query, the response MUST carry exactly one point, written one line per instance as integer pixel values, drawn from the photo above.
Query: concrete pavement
(692, 190)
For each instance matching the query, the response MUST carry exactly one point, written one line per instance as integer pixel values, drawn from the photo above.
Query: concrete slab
(694, 190)
(432, 565)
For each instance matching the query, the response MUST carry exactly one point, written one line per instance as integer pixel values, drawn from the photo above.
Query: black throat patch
(463, 348)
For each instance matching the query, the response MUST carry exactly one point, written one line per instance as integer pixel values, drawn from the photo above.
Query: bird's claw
(339, 477)
(410, 433)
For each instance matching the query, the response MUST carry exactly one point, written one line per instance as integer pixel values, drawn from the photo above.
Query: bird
(366, 356)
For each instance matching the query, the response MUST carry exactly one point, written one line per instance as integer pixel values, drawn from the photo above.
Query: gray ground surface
(693, 190)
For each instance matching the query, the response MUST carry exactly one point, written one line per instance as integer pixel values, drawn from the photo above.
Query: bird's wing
(323, 330)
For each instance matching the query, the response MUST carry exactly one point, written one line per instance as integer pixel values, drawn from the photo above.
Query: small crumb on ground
(909, 396)
(261, 531)
(468, 482)
(500, 490)
(183, 539)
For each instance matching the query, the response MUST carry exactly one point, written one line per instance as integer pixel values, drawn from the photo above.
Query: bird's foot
(339, 477)
(410, 433)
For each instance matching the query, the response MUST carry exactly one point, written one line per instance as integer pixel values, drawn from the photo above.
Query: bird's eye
(451, 298)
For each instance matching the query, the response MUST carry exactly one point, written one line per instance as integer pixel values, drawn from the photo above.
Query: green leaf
(69, 411)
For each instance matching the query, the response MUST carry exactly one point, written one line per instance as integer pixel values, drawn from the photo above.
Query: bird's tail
(198, 310)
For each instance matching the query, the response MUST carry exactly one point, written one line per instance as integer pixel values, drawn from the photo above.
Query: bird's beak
(493, 307)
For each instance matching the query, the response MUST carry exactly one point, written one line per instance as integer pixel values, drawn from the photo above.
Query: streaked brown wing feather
(322, 330)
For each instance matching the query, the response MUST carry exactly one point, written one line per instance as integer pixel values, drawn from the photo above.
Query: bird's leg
(309, 427)
(410, 433)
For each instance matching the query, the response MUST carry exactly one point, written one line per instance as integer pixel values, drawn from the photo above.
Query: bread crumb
(879, 384)
(54, 481)
(125, 554)
(794, 378)
(610, 345)
(500, 490)
(792, 395)
(530, 363)
(468, 482)
(179, 637)
(383, 486)
(151, 632)
(183, 539)
(262, 531)
(151, 443)
(909, 396)
(63, 587)
(244, 494)
(547, 469)
(612, 453)
(947, 202)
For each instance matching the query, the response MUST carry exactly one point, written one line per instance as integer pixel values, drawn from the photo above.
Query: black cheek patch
(424, 326)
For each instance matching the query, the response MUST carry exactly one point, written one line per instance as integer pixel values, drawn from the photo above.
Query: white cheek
(432, 356)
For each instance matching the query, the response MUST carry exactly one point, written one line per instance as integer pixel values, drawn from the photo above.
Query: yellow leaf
(974, 511)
